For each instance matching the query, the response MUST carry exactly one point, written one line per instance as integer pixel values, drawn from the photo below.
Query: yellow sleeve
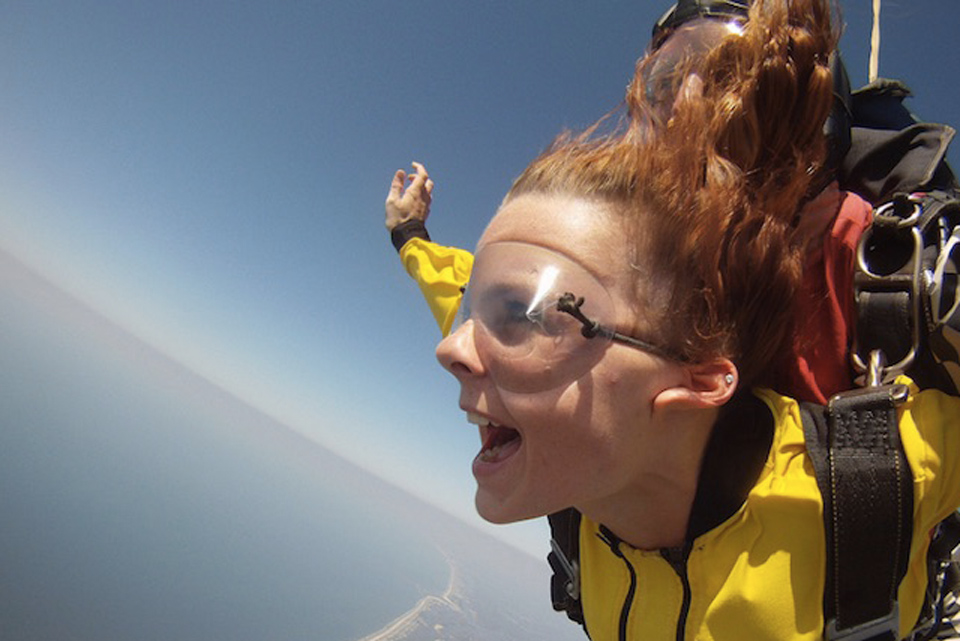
(440, 272)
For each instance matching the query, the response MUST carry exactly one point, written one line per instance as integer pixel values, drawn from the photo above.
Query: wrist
(407, 230)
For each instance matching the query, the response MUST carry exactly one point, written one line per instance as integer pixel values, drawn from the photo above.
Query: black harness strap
(867, 491)
(906, 289)
(887, 286)
(564, 561)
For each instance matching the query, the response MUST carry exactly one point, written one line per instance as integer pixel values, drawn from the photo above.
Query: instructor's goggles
(676, 46)
(540, 320)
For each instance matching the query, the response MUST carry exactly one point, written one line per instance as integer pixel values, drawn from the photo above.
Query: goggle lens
(525, 342)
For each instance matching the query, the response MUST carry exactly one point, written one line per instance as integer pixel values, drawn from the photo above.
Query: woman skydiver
(623, 302)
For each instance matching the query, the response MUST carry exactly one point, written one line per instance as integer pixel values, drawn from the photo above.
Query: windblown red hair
(711, 195)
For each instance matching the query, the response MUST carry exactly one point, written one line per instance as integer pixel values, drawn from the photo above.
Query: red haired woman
(625, 301)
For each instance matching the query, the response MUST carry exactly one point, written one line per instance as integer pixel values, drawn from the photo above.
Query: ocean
(140, 501)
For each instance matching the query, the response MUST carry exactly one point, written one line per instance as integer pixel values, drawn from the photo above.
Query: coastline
(414, 619)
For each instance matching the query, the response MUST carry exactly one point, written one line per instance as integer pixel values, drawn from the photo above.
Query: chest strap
(867, 491)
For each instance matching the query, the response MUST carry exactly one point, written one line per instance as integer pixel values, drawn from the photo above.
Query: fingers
(418, 180)
(394, 202)
(409, 196)
(396, 185)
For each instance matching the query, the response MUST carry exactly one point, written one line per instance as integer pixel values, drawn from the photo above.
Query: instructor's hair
(710, 196)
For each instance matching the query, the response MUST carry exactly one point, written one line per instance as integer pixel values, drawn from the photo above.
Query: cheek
(623, 397)
(621, 421)
(572, 404)
(582, 426)
(597, 405)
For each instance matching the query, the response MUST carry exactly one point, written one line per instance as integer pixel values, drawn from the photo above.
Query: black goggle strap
(570, 304)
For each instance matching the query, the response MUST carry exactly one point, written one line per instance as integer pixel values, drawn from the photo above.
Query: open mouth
(499, 442)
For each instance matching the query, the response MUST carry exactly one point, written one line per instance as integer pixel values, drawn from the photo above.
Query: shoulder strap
(906, 289)
(865, 483)
(564, 561)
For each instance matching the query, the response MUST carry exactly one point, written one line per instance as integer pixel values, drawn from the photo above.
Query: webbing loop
(868, 482)
(888, 287)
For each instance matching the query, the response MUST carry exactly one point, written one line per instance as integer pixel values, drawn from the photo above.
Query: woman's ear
(701, 386)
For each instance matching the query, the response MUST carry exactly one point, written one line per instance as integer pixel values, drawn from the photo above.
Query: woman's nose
(457, 352)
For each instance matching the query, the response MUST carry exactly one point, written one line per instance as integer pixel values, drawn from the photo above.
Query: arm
(440, 271)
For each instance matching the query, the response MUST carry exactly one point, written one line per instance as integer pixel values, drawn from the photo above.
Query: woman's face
(552, 439)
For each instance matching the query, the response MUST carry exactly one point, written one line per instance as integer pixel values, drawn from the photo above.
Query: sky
(211, 174)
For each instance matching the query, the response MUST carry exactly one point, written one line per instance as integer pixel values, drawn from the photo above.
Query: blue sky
(211, 175)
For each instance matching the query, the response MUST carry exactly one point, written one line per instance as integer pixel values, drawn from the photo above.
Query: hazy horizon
(142, 501)
(30, 282)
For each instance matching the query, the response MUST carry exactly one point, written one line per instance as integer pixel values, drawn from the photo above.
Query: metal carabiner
(904, 279)
(875, 369)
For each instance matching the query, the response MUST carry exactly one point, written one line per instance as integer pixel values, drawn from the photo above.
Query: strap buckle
(886, 625)
(889, 263)
(570, 568)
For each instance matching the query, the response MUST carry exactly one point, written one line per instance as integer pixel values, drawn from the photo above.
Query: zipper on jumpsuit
(675, 557)
(613, 541)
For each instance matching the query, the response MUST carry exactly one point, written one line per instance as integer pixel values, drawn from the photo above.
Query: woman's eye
(510, 323)
(515, 311)
(509, 315)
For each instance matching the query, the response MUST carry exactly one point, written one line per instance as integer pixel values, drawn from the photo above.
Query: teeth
(476, 419)
(490, 454)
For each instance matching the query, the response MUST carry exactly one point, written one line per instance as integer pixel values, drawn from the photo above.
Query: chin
(491, 513)
(494, 511)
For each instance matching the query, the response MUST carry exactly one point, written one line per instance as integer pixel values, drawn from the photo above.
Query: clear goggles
(661, 69)
(540, 320)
